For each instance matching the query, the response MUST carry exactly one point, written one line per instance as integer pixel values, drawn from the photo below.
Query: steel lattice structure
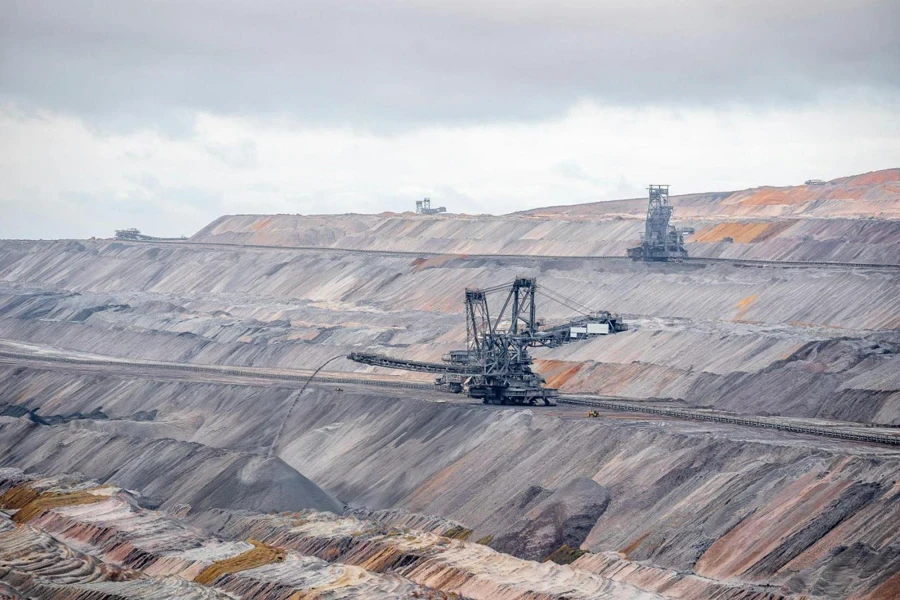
(660, 241)
(495, 365)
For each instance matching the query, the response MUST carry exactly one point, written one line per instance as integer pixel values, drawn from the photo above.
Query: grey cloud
(32, 214)
(384, 63)
(240, 156)
(572, 169)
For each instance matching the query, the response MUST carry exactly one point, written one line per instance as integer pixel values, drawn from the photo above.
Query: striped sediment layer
(853, 219)
(797, 342)
(677, 508)
(471, 569)
(113, 549)
(850, 240)
(34, 564)
(727, 505)
(723, 503)
(870, 195)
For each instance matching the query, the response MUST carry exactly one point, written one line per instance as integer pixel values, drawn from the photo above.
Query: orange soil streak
(790, 196)
(558, 372)
(52, 500)
(759, 533)
(627, 550)
(18, 497)
(742, 233)
(875, 177)
(260, 555)
(261, 225)
(744, 305)
(775, 229)
(434, 486)
(420, 264)
(836, 536)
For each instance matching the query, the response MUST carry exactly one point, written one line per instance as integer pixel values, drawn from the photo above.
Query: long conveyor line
(162, 367)
(695, 260)
(569, 399)
(696, 415)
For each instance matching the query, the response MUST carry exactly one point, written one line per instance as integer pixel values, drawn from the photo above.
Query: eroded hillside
(411, 492)
(812, 341)
(852, 219)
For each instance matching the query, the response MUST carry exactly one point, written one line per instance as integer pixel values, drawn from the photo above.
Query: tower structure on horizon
(661, 241)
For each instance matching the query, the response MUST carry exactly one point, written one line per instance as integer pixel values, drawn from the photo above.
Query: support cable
(284, 421)
(571, 301)
(583, 310)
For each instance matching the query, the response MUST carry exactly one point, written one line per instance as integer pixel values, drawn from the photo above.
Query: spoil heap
(684, 509)
(851, 219)
(129, 552)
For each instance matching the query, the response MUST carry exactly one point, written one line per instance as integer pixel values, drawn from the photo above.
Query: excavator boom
(495, 365)
(380, 360)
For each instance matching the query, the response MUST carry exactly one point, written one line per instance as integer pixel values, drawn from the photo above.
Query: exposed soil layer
(724, 503)
(111, 549)
(553, 519)
(640, 506)
(853, 219)
(801, 342)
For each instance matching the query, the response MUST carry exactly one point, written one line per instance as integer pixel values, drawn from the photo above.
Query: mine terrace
(686, 396)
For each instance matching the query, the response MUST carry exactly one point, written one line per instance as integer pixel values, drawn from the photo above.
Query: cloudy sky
(163, 115)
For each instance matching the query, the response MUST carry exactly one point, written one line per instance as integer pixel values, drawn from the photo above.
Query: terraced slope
(852, 219)
(112, 549)
(656, 503)
(644, 506)
(135, 453)
(794, 341)
(870, 195)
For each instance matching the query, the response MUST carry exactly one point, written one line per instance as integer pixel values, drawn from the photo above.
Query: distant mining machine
(131, 234)
(660, 240)
(423, 207)
(496, 366)
(135, 235)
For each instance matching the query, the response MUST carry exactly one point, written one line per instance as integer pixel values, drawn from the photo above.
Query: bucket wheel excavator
(495, 365)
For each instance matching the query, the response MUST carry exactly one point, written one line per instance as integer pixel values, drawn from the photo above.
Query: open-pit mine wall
(812, 341)
(651, 501)
(64, 537)
(672, 508)
(782, 239)
(870, 195)
(854, 220)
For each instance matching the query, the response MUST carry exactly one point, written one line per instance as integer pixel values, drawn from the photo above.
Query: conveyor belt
(694, 260)
(746, 421)
(569, 399)
(380, 360)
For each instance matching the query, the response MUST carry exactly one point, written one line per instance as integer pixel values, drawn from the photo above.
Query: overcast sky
(163, 115)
